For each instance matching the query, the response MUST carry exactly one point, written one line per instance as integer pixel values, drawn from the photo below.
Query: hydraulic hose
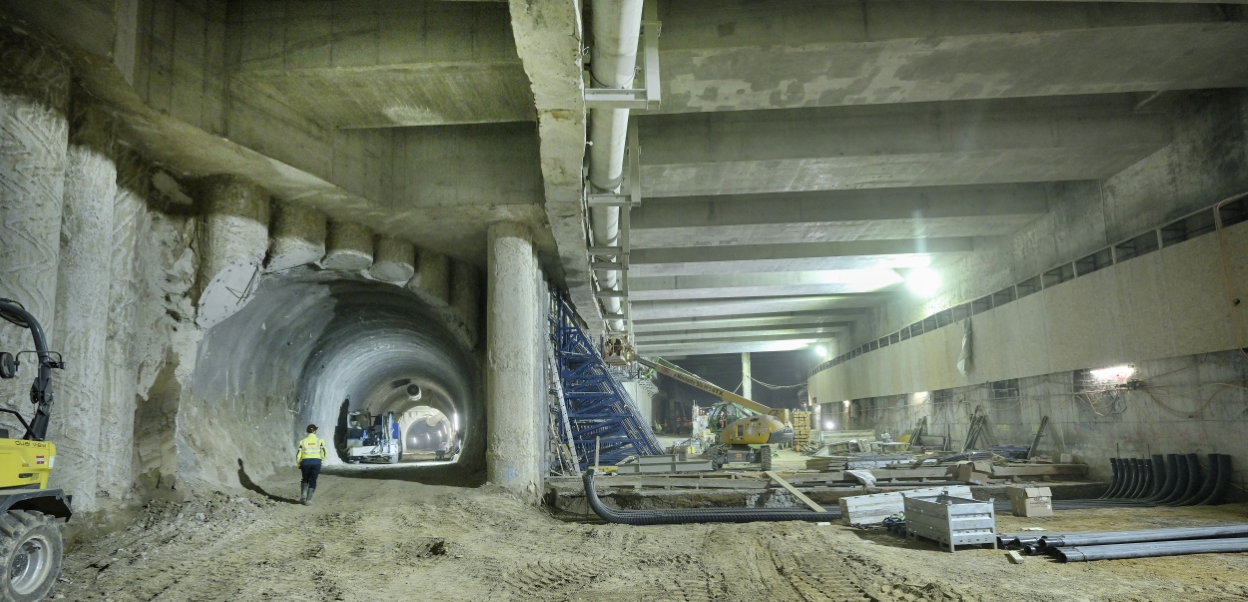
(1152, 549)
(1223, 481)
(1197, 484)
(1189, 473)
(700, 515)
(1172, 476)
(1100, 538)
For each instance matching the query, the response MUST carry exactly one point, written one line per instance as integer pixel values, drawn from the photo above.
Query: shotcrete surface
(397, 540)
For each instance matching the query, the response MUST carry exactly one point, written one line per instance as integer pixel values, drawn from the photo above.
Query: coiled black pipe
(1224, 481)
(1115, 480)
(1152, 549)
(1187, 479)
(1172, 477)
(700, 515)
(1159, 475)
(1198, 483)
(1100, 538)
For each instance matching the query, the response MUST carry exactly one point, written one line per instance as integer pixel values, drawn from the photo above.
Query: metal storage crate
(952, 521)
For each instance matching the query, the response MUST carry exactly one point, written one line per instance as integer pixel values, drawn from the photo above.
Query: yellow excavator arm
(724, 394)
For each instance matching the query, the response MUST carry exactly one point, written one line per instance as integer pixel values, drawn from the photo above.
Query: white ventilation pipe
(617, 25)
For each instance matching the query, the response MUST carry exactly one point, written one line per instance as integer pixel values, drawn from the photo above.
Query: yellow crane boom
(724, 394)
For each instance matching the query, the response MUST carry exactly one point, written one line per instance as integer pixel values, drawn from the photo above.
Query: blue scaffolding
(595, 403)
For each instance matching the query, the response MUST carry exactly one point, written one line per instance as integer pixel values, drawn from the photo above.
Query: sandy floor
(379, 540)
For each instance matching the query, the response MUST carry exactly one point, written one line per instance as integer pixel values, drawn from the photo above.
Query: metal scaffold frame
(599, 412)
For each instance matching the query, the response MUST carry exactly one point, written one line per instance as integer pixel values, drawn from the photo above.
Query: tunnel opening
(363, 360)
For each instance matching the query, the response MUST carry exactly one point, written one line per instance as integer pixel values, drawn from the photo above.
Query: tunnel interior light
(923, 281)
(821, 351)
(829, 425)
(1113, 374)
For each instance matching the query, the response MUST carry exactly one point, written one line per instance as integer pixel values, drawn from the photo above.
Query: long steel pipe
(616, 27)
(1152, 549)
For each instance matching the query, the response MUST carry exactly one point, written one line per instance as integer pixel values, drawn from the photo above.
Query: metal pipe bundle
(700, 515)
(1098, 538)
(1152, 549)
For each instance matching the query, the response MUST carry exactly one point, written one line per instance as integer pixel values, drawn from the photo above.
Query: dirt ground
(379, 540)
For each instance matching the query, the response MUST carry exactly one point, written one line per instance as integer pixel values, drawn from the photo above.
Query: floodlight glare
(829, 425)
(923, 281)
(821, 351)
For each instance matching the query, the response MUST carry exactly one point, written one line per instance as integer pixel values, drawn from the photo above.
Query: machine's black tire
(21, 533)
(764, 452)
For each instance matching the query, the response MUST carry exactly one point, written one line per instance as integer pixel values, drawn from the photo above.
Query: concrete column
(34, 98)
(466, 296)
(233, 238)
(512, 443)
(394, 261)
(433, 277)
(82, 295)
(120, 359)
(747, 373)
(350, 247)
(298, 237)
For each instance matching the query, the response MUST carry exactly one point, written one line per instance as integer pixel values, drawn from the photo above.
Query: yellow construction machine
(760, 425)
(31, 545)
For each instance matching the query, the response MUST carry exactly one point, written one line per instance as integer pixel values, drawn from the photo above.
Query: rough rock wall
(34, 99)
(82, 296)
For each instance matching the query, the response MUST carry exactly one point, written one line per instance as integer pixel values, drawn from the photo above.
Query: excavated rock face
(310, 348)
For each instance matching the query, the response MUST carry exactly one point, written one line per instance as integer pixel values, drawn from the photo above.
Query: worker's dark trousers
(310, 469)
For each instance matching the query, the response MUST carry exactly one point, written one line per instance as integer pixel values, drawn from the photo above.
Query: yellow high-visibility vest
(310, 447)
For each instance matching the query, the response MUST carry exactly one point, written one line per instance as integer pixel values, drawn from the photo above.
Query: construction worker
(311, 453)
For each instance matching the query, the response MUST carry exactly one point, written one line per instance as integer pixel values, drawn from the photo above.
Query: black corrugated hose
(700, 515)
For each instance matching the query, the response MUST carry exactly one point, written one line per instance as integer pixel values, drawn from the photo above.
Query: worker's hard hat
(311, 428)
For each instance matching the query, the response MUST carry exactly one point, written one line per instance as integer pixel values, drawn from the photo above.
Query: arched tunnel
(314, 347)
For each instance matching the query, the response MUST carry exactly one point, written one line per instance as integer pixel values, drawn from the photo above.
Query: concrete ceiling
(808, 154)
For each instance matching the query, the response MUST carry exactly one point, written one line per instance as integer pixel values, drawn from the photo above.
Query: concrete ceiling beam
(778, 335)
(684, 309)
(548, 36)
(773, 292)
(823, 216)
(891, 146)
(701, 349)
(843, 317)
(754, 253)
(738, 55)
(651, 336)
(739, 337)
